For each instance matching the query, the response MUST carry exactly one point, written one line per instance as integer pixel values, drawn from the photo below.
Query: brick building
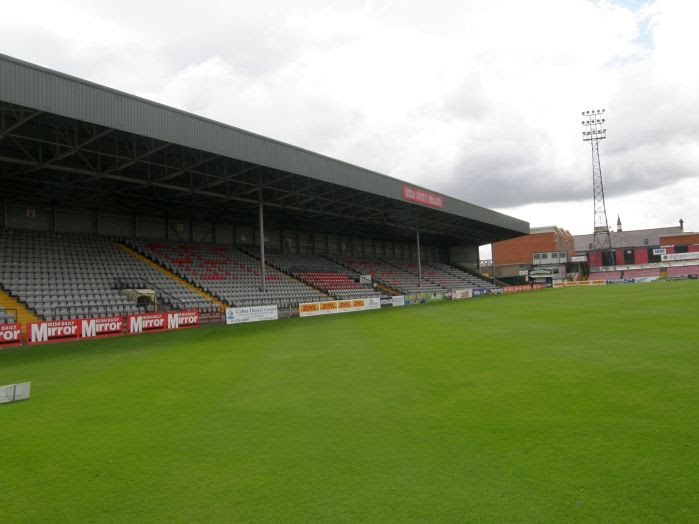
(546, 250)
(553, 253)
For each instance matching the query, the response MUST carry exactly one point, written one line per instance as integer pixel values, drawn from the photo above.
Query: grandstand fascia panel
(35, 87)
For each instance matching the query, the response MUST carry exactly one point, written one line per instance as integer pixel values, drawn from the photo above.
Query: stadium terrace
(114, 205)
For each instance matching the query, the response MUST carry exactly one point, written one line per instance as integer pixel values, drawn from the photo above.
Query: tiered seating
(640, 273)
(228, 274)
(682, 271)
(447, 276)
(321, 273)
(63, 275)
(605, 275)
(471, 280)
(338, 285)
(393, 276)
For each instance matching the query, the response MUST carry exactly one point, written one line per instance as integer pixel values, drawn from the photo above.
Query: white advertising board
(679, 256)
(458, 294)
(372, 303)
(398, 300)
(240, 315)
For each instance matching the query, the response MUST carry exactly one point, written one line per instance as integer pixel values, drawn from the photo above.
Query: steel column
(419, 263)
(263, 286)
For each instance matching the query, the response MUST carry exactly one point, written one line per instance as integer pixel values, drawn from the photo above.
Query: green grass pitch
(554, 406)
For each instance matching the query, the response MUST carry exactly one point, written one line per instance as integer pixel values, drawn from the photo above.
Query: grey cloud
(507, 178)
(468, 101)
(270, 84)
(502, 178)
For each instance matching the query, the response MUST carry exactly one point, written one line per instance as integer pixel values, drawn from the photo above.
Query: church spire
(618, 224)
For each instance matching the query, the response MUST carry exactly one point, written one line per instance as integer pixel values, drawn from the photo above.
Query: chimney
(681, 224)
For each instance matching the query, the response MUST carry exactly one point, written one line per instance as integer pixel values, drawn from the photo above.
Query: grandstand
(105, 192)
(63, 275)
(683, 271)
(391, 275)
(321, 273)
(650, 272)
(606, 275)
(669, 271)
(71, 276)
(404, 277)
(228, 274)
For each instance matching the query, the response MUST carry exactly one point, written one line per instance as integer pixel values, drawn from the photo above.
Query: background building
(552, 253)
(640, 247)
(546, 249)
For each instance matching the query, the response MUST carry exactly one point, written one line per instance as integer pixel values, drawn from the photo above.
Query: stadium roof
(637, 238)
(67, 141)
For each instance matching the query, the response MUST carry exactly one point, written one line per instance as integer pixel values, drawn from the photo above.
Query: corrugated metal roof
(36, 87)
(621, 239)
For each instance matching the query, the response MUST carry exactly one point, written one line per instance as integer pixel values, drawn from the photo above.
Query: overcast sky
(477, 99)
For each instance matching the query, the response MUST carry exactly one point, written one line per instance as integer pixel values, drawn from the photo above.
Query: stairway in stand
(10, 305)
(174, 277)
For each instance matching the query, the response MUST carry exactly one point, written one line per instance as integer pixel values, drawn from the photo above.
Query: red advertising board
(68, 330)
(53, 331)
(154, 322)
(183, 319)
(412, 194)
(146, 323)
(101, 327)
(10, 335)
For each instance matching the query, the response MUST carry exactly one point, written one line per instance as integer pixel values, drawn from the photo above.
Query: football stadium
(198, 323)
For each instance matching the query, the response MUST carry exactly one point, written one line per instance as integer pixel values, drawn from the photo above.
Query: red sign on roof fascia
(412, 194)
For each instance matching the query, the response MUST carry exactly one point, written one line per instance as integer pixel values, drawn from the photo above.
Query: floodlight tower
(594, 130)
